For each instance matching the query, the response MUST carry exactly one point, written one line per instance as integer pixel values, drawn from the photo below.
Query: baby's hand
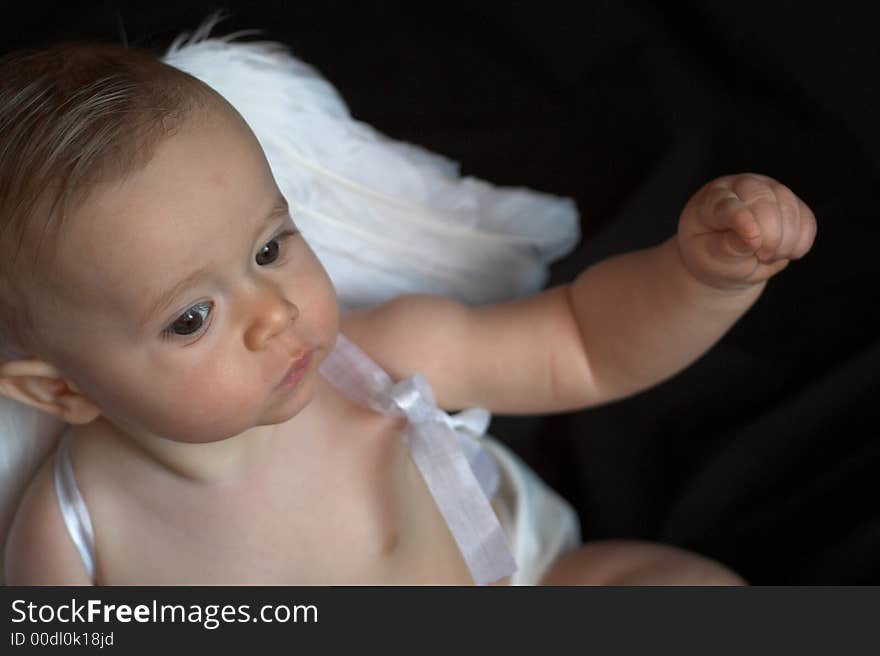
(740, 230)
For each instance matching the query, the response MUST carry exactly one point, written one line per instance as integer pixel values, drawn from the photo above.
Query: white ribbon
(459, 473)
(73, 508)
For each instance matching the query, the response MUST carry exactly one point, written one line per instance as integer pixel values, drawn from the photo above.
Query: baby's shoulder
(39, 550)
(414, 333)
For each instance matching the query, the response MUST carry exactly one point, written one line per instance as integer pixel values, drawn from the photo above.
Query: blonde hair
(72, 115)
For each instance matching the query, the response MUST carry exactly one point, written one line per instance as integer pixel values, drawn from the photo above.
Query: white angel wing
(384, 217)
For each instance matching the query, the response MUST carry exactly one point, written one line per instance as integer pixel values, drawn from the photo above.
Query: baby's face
(184, 293)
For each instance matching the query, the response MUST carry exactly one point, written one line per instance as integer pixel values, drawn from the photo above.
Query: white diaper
(540, 525)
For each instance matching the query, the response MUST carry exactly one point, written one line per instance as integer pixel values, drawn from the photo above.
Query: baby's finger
(775, 267)
(717, 212)
(736, 247)
(789, 209)
(745, 233)
(736, 232)
(808, 228)
(751, 187)
(771, 225)
(717, 203)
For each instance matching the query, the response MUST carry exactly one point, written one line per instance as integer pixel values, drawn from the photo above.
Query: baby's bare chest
(347, 506)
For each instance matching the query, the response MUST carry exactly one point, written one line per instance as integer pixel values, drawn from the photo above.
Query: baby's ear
(40, 385)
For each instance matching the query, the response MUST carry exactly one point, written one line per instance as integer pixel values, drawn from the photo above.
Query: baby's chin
(286, 416)
(278, 417)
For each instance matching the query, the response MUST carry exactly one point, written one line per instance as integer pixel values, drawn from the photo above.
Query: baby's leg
(633, 562)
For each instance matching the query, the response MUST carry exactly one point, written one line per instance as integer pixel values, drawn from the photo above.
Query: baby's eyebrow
(162, 300)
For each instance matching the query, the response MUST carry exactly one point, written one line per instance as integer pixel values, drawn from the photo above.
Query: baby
(162, 302)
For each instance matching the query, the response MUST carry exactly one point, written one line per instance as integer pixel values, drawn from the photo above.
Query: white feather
(384, 217)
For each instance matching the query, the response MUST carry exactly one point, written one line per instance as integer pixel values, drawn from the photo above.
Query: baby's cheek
(320, 310)
(214, 409)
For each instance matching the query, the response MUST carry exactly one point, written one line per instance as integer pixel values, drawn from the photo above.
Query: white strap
(73, 508)
(444, 449)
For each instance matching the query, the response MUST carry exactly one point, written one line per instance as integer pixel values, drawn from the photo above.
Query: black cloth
(765, 453)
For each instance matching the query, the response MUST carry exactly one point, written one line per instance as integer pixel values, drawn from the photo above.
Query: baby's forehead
(116, 264)
(200, 196)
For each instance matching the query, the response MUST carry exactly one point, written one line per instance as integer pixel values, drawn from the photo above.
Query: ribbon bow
(459, 473)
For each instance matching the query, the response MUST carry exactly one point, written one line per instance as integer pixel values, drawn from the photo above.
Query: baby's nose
(273, 315)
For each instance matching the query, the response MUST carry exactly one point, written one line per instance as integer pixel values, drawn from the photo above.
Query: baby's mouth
(297, 369)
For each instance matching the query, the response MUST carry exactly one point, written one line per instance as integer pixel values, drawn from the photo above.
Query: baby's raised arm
(623, 325)
(647, 315)
(38, 550)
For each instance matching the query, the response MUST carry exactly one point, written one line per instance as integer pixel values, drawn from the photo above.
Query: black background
(765, 453)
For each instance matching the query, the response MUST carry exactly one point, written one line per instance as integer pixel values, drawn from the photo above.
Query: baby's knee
(632, 562)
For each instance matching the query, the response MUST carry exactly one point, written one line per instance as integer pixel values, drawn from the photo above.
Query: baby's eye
(190, 322)
(269, 252)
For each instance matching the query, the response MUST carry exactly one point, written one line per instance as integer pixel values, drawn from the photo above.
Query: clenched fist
(739, 230)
